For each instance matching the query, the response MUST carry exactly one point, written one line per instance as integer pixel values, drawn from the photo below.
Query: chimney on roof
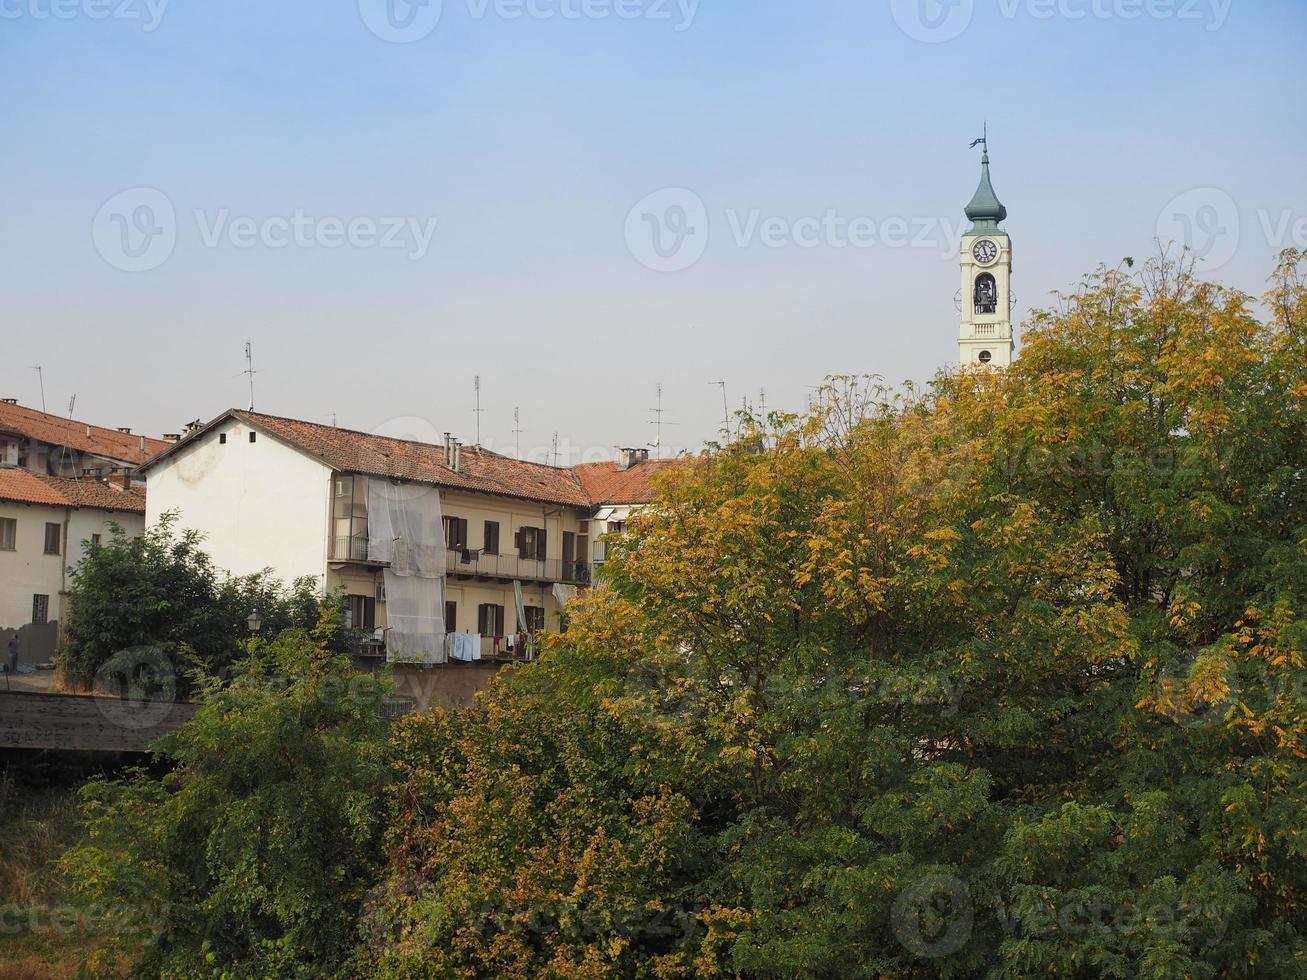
(120, 479)
(172, 437)
(190, 427)
(125, 429)
(453, 453)
(629, 456)
(9, 401)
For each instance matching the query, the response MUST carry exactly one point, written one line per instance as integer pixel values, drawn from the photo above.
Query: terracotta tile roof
(605, 483)
(24, 487)
(44, 427)
(480, 470)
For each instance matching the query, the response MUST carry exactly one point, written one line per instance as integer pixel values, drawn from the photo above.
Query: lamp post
(254, 622)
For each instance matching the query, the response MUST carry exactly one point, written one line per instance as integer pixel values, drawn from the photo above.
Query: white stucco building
(424, 540)
(45, 525)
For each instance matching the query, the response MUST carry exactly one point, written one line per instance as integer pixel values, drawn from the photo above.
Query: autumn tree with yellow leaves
(1002, 677)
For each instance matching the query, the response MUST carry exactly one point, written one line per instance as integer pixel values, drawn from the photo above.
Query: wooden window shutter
(541, 548)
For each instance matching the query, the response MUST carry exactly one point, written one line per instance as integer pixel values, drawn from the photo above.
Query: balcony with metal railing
(475, 564)
(353, 548)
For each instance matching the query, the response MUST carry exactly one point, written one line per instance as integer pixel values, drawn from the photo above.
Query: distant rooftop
(25, 487)
(480, 470)
(115, 444)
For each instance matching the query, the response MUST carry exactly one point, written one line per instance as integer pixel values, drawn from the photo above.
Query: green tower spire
(985, 209)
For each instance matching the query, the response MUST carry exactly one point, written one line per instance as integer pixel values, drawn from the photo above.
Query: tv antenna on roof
(726, 410)
(249, 369)
(658, 422)
(40, 376)
(555, 448)
(476, 388)
(517, 430)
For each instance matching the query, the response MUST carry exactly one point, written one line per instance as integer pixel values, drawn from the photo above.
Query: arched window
(986, 294)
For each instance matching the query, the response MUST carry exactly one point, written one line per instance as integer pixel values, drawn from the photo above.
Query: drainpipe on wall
(63, 582)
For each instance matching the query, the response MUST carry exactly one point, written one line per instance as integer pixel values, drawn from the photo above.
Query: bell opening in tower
(986, 298)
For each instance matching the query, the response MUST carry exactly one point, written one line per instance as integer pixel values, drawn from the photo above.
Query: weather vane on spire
(984, 139)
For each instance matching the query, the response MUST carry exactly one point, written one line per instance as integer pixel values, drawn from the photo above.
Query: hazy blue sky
(529, 130)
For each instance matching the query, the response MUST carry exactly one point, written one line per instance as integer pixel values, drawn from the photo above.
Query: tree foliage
(160, 592)
(252, 856)
(1004, 677)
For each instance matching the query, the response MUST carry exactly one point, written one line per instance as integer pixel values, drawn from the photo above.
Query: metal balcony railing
(354, 548)
(511, 566)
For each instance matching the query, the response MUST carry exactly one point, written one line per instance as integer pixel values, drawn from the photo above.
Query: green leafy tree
(161, 592)
(252, 856)
(1000, 678)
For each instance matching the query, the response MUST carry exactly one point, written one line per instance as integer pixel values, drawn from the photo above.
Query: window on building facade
(531, 543)
(362, 612)
(451, 617)
(535, 618)
(455, 532)
(490, 543)
(490, 619)
(95, 540)
(8, 534)
(349, 518)
(53, 535)
(40, 610)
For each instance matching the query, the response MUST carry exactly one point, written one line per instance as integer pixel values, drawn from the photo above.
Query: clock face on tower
(985, 251)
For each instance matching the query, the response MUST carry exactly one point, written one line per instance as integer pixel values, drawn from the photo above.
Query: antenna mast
(555, 448)
(476, 388)
(517, 430)
(659, 423)
(249, 369)
(40, 376)
(726, 410)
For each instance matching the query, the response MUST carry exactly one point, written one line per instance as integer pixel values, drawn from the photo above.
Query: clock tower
(986, 334)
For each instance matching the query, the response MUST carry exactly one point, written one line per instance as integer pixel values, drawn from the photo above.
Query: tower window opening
(986, 294)
(984, 357)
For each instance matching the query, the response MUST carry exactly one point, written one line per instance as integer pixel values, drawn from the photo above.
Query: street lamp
(255, 622)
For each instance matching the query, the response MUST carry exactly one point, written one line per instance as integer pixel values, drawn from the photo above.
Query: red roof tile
(44, 427)
(605, 483)
(25, 487)
(480, 470)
